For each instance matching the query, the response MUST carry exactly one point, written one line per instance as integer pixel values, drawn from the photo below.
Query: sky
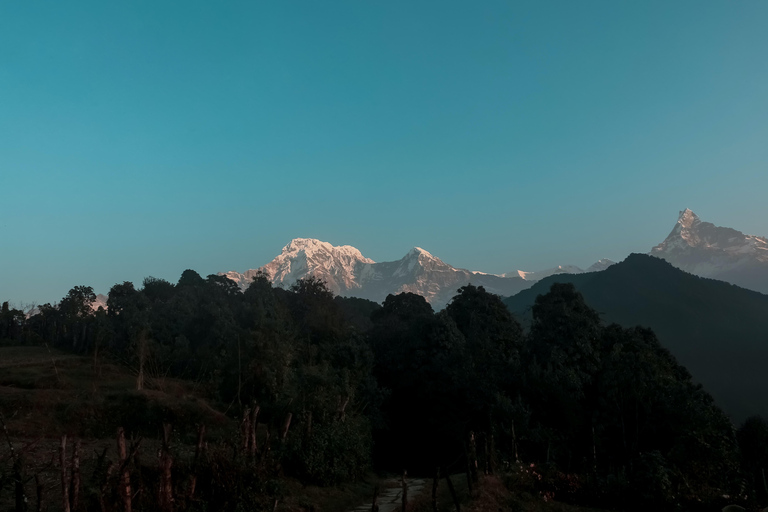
(143, 138)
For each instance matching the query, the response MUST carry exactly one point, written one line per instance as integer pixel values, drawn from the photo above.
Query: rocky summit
(348, 273)
(706, 250)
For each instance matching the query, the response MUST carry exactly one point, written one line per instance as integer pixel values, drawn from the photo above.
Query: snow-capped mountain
(541, 274)
(304, 257)
(348, 273)
(100, 302)
(560, 269)
(600, 265)
(706, 250)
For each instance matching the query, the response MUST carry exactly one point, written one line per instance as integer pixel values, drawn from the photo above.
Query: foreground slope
(717, 330)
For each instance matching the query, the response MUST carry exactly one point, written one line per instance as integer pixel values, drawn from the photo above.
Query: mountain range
(700, 248)
(715, 329)
(706, 250)
(348, 273)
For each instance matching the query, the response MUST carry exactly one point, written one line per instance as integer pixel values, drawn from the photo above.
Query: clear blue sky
(143, 138)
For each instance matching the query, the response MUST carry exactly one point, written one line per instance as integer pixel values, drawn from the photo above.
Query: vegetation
(716, 330)
(297, 386)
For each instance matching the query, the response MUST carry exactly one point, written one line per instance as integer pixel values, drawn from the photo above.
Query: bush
(336, 452)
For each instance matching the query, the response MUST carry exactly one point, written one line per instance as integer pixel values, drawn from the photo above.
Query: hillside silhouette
(717, 330)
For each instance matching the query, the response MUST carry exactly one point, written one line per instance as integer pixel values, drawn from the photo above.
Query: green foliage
(715, 329)
(600, 411)
(333, 453)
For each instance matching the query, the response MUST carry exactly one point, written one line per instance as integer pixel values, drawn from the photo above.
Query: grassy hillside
(46, 393)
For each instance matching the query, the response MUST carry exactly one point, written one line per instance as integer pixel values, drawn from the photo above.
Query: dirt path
(391, 494)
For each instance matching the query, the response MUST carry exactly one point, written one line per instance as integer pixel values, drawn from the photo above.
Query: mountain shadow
(717, 330)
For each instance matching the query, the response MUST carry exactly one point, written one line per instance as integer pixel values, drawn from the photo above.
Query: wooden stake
(105, 487)
(18, 477)
(375, 505)
(165, 494)
(253, 448)
(405, 490)
(286, 426)
(265, 450)
(514, 442)
(435, 481)
(341, 408)
(125, 477)
(245, 430)
(196, 460)
(64, 478)
(75, 482)
(452, 490)
(39, 488)
(492, 459)
(472, 457)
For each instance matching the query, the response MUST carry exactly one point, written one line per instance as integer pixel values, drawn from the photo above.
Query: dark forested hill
(717, 330)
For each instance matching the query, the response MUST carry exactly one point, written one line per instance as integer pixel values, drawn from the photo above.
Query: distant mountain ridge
(560, 269)
(348, 273)
(706, 250)
(717, 330)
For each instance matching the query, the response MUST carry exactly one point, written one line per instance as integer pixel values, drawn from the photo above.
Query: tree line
(601, 413)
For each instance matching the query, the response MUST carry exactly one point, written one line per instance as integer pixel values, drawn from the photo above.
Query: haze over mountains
(706, 250)
(348, 273)
(717, 330)
(700, 248)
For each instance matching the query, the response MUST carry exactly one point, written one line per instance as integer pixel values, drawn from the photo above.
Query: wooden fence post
(105, 486)
(74, 495)
(375, 505)
(245, 430)
(514, 441)
(165, 496)
(125, 476)
(286, 426)
(405, 490)
(473, 457)
(492, 459)
(196, 460)
(39, 488)
(451, 489)
(64, 478)
(435, 481)
(18, 477)
(252, 433)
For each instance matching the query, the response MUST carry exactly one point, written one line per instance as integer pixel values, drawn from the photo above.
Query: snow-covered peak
(706, 250)
(418, 252)
(600, 264)
(687, 218)
(100, 302)
(303, 257)
(312, 246)
(687, 225)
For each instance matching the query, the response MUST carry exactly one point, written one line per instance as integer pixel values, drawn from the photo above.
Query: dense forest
(718, 331)
(595, 414)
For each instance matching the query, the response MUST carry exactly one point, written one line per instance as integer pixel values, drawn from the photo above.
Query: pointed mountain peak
(688, 219)
(600, 264)
(298, 244)
(418, 251)
(313, 246)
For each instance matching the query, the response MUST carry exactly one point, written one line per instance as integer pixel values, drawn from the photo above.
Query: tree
(75, 309)
(11, 323)
(562, 360)
(753, 444)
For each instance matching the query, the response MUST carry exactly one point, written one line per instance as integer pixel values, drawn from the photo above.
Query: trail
(391, 494)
